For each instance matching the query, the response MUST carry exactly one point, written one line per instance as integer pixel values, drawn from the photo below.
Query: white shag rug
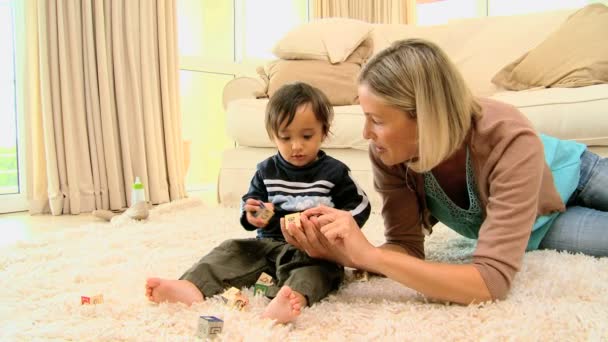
(556, 296)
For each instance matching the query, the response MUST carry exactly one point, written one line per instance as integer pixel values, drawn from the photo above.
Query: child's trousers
(240, 262)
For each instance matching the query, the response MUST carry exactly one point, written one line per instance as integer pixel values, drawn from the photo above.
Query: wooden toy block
(262, 284)
(97, 299)
(265, 279)
(209, 326)
(293, 218)
(235, 298)
(264, 213)
(85, 300)
(260, 289)
(360, 275)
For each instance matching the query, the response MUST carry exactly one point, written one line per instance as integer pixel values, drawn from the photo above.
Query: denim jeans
(583, 227)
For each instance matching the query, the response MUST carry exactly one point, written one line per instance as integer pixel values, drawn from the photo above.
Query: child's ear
(326, 134)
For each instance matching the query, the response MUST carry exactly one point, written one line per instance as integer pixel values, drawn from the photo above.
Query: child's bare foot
(168, 290)
(286, 306)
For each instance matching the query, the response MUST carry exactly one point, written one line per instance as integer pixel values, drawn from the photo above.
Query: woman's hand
(342, 233)
(331, 234)
(252, 206)
(309, 239)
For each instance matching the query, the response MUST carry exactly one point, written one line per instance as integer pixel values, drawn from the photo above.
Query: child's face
(300, 142)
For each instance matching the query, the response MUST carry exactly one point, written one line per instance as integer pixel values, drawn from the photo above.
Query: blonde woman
(477, 165)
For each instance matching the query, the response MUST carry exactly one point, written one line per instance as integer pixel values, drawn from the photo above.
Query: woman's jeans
(583, 227)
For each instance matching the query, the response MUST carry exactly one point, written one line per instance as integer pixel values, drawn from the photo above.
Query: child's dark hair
(285, 101)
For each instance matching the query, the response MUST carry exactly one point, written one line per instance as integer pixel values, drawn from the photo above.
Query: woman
(477, 165)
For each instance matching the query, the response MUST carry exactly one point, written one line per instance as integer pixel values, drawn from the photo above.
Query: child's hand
(252, 206)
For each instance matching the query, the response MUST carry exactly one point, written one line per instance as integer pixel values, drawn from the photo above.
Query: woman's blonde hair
(417, 77)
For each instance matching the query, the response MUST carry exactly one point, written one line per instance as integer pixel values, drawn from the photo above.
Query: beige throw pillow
(331, 39)
(337, 81)
(575, 55)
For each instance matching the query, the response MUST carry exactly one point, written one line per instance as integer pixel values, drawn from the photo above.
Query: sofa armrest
(242, 87)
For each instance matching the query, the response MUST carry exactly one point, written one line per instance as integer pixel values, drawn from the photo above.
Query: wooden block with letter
(235, 298)
(97, 299)
(262, 284)
(264, 213)
(85, 300)
(209, 326)
(360, 275)
(293, 218)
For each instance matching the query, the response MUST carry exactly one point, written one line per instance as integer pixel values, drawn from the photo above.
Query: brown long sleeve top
(515, 186)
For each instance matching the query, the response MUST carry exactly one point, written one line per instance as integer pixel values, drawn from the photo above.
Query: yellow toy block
(97, 299)
(360, 275)
(85, 300)
(235, 298)
(293, 218)
(264, 213)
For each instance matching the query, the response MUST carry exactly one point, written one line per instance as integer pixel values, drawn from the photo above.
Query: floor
(22, 226)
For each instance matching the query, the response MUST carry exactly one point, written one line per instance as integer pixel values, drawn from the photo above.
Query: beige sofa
(479, 47)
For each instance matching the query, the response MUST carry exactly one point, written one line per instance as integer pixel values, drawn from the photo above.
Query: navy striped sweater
(292, 189)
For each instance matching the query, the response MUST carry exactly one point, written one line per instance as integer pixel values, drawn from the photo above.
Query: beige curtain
(102, 103)
(373, 11)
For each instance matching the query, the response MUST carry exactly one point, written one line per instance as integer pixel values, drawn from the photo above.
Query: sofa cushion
(575, 55)
(331, 39)
(245, 125)
(337, 81)
(479, 47)
(579, 114)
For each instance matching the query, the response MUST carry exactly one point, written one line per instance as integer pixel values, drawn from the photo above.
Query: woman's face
(392, 131)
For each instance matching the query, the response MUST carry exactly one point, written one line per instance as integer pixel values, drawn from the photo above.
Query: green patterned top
(466, 222)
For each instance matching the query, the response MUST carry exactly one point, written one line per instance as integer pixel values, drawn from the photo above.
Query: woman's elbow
(472, 298)
(483, 297)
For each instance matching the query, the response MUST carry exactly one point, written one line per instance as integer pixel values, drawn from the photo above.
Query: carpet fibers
(556, 296)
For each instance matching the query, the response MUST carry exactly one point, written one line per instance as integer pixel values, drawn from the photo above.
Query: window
(440, 12)
(218, 41)
(206, 30)
(12, 196)
(261, 23)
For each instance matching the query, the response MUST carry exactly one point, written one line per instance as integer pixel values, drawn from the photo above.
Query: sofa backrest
(479, 47)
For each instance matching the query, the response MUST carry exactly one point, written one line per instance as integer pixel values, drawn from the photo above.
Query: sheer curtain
(373, 11)
(102, 103)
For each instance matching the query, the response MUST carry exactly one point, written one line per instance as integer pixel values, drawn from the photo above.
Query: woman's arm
(461, 284)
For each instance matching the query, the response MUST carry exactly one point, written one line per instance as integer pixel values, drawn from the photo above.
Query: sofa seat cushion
(245, 125)
(579, 114)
